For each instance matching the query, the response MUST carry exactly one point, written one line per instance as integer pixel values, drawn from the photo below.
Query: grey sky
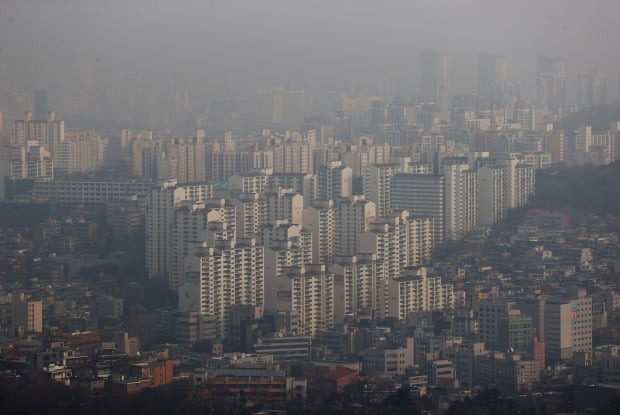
(312, 44)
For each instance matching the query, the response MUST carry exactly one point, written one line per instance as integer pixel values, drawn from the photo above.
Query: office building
(421, 194)
(568, 327)
(284, 347)
(389, 360)
(490, 314)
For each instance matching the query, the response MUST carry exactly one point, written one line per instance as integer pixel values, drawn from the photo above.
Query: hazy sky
(230, 44)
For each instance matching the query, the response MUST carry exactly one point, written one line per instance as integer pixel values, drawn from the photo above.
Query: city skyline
(314, 207)
(79, 77)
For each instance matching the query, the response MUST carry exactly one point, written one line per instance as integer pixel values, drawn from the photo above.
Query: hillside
(587, 188)
(598, 117)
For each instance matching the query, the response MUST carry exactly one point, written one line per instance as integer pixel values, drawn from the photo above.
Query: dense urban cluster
(392, 256)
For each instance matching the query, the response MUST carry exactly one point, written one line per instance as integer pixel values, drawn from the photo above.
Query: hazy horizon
(88, 49)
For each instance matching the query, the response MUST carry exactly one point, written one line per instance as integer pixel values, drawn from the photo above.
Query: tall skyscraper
(591, 88)
(434, 78)
(40, 104)
(491, 76)
(551, 82)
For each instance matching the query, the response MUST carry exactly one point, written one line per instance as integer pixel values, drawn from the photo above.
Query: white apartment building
(282, 230)
(159, 223)
(229, 273)
(363, 154)
(419, 244)
(47, 132)
(353, 218)
(334, 181)
(302, 183)
(359, 284)
(31, 161)
(293, 157)
(519, 182)
(251, 214)
(308, 292)
(461, 191)
(320, 219)
(490, 194)
(80, 154)
(284, 204)
(378, 185)
(187, 156)
(415, 290)
(248, 182)
(399, 241)
(285, 246)
(190, 218)
(194, 225)
(594, 148)
(538, 160)
(386, 240)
